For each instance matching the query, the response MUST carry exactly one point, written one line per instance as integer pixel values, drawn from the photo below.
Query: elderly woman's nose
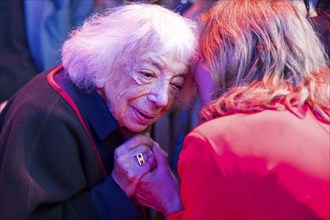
(159, 95)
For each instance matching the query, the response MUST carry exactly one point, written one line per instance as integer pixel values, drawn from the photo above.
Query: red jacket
(267, 165)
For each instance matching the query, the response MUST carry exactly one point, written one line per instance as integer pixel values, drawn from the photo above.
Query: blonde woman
(263, 149)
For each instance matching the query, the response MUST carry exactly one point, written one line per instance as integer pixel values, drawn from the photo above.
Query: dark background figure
(17, 66)
(48, 23)
(321, 22)
(32, 33)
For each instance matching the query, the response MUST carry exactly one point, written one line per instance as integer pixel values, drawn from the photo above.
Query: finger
(139, 140)
(152, 163)
(133, 143)
(128, 173)
(147, 155)
(151, 159)
(142, 158)
(159, 154)
(144, 149)
(134, 160)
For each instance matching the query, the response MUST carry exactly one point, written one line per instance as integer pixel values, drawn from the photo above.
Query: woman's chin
(137, 127)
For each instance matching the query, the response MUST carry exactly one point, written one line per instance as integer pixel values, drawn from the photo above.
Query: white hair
(108, 43)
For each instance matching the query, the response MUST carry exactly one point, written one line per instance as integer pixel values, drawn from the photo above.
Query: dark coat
(49, 167)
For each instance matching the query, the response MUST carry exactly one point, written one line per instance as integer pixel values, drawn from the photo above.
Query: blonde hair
(259, 52)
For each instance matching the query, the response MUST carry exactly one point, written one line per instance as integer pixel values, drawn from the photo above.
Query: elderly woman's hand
(159, 188)
(133, 159)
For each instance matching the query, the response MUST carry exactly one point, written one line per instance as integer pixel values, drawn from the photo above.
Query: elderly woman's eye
(177, 87)
(147, 74)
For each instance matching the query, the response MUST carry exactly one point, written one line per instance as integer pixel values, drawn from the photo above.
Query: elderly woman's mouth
(144, 115)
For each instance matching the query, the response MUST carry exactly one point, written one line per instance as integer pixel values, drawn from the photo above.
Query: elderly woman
(263, 151)
(121, 71)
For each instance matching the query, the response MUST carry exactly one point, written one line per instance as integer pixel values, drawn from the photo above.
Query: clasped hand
(152, 184)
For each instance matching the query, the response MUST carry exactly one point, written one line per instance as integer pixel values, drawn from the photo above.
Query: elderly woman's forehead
(163, 62)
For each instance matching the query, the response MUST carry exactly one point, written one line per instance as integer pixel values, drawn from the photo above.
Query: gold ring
(140, 159)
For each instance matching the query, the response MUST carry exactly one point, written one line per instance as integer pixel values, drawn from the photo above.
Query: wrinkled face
(139, 97)
(205, 83)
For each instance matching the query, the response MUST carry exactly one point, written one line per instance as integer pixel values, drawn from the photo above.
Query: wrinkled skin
(138, 97)
(159, 188)
(144, 91)
(153, 184)
(127, 171)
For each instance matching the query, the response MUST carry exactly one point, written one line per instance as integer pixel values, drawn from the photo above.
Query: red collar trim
(68, 99)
